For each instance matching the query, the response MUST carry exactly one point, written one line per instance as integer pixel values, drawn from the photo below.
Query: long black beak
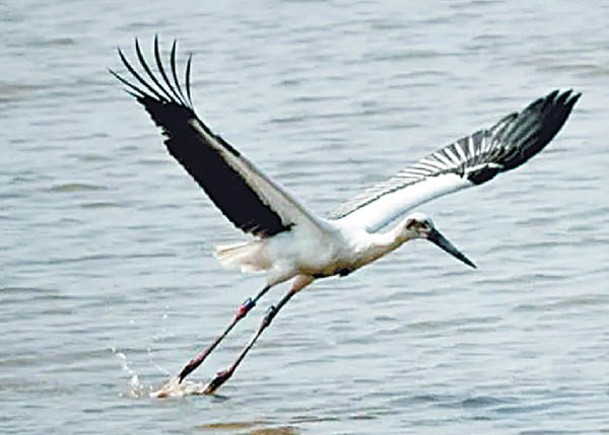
(438, 239)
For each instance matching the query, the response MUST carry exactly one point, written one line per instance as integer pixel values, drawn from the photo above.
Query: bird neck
(385, 242)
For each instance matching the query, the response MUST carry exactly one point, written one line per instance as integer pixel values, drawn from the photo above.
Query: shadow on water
(251, 427)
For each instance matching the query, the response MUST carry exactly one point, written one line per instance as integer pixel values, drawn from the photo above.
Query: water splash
(136, 388)
(173, 388)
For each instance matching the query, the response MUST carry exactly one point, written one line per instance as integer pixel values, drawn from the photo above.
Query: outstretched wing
(470, 161)
(248, 198)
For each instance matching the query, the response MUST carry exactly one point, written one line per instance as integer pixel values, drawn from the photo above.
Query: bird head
(420, 226)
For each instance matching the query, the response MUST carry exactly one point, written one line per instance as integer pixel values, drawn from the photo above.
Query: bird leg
(225, 375)
(247, 305)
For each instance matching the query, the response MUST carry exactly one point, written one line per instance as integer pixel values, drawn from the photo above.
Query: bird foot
(218, 381)
(172, 388)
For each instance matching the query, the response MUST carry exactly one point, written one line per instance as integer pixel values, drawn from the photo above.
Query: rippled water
(108, 285)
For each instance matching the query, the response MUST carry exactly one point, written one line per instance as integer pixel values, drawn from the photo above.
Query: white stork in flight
(289, 242)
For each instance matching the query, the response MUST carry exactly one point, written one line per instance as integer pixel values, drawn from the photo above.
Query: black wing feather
(173, 112)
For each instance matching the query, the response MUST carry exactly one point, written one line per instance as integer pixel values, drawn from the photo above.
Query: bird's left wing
(468, 162)
(248, 198)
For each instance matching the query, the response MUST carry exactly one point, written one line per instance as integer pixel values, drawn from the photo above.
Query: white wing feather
(470, 161)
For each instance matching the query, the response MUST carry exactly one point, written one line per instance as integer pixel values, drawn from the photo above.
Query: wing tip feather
(156, 87)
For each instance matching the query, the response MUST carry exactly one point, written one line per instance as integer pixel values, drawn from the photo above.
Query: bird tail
(244, 256)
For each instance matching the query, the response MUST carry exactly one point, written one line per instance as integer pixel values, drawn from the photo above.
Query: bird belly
(330, 261)
(314, 256)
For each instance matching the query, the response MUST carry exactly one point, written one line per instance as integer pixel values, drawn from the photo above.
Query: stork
(287, 241)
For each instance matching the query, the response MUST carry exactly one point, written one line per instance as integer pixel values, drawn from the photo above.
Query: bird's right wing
(468, 162)
(246, 196)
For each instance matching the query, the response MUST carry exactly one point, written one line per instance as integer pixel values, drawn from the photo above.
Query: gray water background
(108, 284)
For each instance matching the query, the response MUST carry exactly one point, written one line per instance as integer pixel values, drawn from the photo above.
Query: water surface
(108, 284)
